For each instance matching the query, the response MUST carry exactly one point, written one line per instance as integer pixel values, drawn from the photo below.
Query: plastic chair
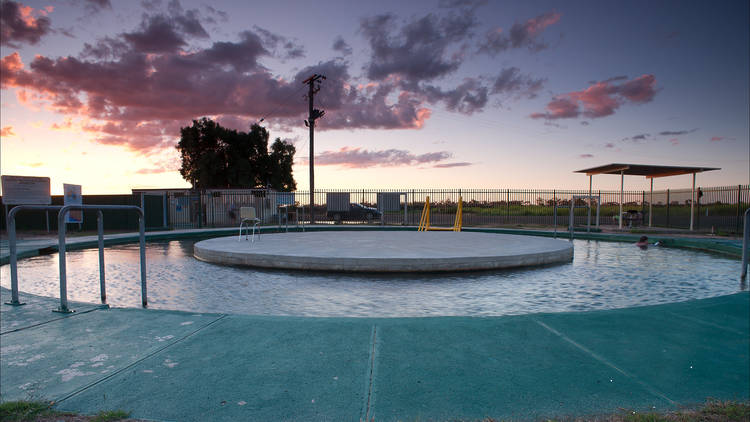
(247, 215)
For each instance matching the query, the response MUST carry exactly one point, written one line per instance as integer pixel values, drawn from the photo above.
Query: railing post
(61, 257)
(100, 230)
(142, 241)
(13, 259)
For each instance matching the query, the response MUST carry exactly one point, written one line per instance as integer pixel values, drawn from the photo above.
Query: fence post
(739, 199)
(507, 206)
(667, 207)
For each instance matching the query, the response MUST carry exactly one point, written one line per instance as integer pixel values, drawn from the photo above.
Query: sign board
(284, 198)
(73, 197)
(26, 190)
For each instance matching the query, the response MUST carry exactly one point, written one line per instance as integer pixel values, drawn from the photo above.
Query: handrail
(745, 245)
(12, 246)
(61, 250)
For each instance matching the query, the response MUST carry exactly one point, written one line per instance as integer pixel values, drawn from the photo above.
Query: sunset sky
(451, 93)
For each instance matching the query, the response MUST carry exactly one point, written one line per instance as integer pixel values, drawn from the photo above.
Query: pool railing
(62, 212)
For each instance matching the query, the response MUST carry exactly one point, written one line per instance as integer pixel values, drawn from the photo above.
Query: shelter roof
(644, 170)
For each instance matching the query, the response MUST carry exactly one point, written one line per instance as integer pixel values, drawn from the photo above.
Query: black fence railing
(718, 209)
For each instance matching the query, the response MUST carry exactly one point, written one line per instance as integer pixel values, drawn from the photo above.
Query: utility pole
(314, 82)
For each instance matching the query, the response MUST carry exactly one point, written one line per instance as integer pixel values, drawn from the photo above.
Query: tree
(217, 157)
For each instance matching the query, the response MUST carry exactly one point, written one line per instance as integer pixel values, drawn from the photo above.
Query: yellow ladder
(424, 221)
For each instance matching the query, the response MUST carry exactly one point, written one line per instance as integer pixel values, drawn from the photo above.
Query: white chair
(247, 215)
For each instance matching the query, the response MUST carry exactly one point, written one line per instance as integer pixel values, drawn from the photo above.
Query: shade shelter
(650, 172)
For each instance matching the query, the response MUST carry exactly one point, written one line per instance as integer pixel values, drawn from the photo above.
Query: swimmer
(642, 242)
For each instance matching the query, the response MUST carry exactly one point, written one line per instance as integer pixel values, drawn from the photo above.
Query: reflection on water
(602, 276)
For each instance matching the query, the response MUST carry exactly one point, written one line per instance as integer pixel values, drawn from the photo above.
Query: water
(603, 275)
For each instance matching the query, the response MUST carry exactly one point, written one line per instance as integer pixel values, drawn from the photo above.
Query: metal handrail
(61, 250)
(745, 245)
(12, 246)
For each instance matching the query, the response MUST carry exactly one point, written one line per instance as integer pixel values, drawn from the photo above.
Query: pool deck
(182, 366)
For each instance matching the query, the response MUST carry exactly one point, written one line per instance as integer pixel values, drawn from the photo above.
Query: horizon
(424, 95)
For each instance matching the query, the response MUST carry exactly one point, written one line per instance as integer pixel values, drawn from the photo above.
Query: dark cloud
(97, 5)
(342, 46)
(21, 24)
(511, 82)
(640, 137)
(157, 34)
(677, 132)
(586, 156)
(520, 35)
(363, 158)
(600, 99)
(418, 50)
(469, 4)
(468, 97)
(212, 15)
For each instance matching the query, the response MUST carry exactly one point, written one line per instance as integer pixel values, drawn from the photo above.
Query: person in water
(642, 242)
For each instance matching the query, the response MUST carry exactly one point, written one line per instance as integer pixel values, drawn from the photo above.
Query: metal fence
(719, 209)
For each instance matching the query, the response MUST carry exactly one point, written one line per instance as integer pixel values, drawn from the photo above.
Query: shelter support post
(622, 197)
(588, 219)
(650, 202)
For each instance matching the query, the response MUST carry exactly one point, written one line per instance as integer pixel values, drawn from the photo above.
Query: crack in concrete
(155, 352)
(370, 398)
(601, 359)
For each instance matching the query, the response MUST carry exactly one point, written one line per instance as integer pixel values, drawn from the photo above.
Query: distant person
(642, 242)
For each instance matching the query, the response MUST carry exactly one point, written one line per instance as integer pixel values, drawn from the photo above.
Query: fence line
(717, 208)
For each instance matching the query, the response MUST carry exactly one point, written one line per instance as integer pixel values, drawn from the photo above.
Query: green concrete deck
(178, 366)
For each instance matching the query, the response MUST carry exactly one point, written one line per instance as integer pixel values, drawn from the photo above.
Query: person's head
(643, 239)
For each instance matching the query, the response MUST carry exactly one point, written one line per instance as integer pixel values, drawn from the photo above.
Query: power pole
(314, 82)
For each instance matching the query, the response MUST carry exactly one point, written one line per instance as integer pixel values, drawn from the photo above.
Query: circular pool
(602, 275)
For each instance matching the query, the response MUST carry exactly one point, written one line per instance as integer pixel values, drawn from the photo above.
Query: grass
(110, 415)
(17, 411)
(712, 411)
(37, 411)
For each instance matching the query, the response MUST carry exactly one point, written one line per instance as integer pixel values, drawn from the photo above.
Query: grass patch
(37, 411)
(17, 411)
(110, 415)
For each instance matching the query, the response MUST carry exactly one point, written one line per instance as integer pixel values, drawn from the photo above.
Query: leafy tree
(217, 157)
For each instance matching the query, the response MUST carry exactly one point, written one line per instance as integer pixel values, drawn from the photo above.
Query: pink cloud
(22, 24)
(717, 138)
(559, 108)
(600, 99)
(674, 141)
(7, 131)
(152, 171)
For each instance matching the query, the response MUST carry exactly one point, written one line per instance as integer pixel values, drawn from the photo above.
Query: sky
(418, 94)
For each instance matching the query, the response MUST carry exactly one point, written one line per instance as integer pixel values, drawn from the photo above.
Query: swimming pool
(602, 275)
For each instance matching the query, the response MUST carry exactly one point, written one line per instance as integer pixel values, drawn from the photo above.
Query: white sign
(26, 190)
(73, 197)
